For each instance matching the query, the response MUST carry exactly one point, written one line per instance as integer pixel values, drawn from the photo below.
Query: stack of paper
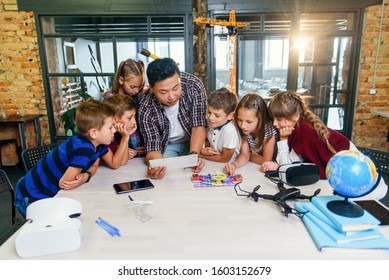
(332, 232)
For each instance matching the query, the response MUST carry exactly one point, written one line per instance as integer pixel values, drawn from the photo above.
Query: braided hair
(288, 104)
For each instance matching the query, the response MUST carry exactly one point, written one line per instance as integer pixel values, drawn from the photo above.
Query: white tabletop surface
(190, 223)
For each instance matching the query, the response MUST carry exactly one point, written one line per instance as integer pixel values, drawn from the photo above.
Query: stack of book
(332, 232)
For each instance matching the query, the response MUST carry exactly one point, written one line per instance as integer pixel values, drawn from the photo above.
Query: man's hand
(156, 172)
(200, 165)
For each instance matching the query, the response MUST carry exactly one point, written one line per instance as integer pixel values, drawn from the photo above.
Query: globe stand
(345, 208)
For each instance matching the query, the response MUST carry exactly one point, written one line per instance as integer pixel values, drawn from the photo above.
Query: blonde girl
(130, 80)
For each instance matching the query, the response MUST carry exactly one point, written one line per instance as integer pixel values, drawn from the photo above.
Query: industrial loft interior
(54, 55)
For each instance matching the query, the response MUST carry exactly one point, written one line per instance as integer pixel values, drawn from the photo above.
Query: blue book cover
(366, 221)
(309, 206)
(325, 244)
(336, 236)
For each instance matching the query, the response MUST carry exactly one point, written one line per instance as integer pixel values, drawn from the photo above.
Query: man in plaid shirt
(172, 114)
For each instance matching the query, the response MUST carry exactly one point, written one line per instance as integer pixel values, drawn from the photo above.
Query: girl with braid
(304, 137)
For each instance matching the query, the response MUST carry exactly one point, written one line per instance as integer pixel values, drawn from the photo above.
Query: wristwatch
(89, 176)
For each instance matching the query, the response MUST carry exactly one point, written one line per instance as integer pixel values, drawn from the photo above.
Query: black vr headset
(295, 174)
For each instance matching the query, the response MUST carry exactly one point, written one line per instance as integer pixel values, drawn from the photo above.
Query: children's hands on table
(132, 153)
(69, 185)
(229, 169)
(141, 150)
(269, 166)
(209, 151)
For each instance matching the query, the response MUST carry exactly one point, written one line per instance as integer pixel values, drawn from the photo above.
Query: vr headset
(295, 174)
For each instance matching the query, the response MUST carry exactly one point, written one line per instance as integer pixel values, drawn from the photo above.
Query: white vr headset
(52, 227)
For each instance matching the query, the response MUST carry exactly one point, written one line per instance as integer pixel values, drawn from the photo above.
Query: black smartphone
(133, 186)
(376, 209)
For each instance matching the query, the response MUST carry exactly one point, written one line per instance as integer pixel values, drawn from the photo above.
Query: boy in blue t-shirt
(74, 161)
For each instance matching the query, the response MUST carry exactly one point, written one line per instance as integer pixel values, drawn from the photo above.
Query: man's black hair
(161, 69)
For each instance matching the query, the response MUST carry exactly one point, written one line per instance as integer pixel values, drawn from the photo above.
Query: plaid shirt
(154, 125)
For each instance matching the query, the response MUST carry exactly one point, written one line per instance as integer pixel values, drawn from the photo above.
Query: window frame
(185, 35)
(260, 32)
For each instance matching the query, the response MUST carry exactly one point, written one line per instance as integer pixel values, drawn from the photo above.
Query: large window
(83, 53)
(276, 54)
(313, 56)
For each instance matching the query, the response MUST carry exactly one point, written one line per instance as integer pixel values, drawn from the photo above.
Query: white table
(189, 223)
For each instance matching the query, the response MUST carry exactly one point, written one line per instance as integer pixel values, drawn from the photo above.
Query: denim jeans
(21, 204)
(177, 149)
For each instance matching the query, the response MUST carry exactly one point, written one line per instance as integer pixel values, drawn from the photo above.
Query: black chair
(382, 158)
(16, 223)
(31, 156)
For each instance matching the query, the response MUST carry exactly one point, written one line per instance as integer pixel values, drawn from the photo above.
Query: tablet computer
(376, 209)
(175, 162)
(133, 186)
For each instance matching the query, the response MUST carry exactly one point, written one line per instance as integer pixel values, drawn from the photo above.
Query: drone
(279, 198)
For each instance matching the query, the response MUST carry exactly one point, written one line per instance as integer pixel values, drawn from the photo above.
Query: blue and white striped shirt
(42, 181)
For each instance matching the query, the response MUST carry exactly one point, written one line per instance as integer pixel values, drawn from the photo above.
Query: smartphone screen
(376, 209)
(133, 186)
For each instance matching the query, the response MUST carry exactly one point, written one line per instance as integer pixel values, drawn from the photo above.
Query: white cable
(379, 42)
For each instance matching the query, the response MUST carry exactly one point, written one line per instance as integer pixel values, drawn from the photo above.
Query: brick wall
(369, 129)
(20, 75)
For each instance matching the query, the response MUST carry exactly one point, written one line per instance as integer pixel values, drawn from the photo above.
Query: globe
(351, 173)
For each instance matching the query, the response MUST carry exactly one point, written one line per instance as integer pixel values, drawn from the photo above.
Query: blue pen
(108, 224)
(107, 229)
(115, 229)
